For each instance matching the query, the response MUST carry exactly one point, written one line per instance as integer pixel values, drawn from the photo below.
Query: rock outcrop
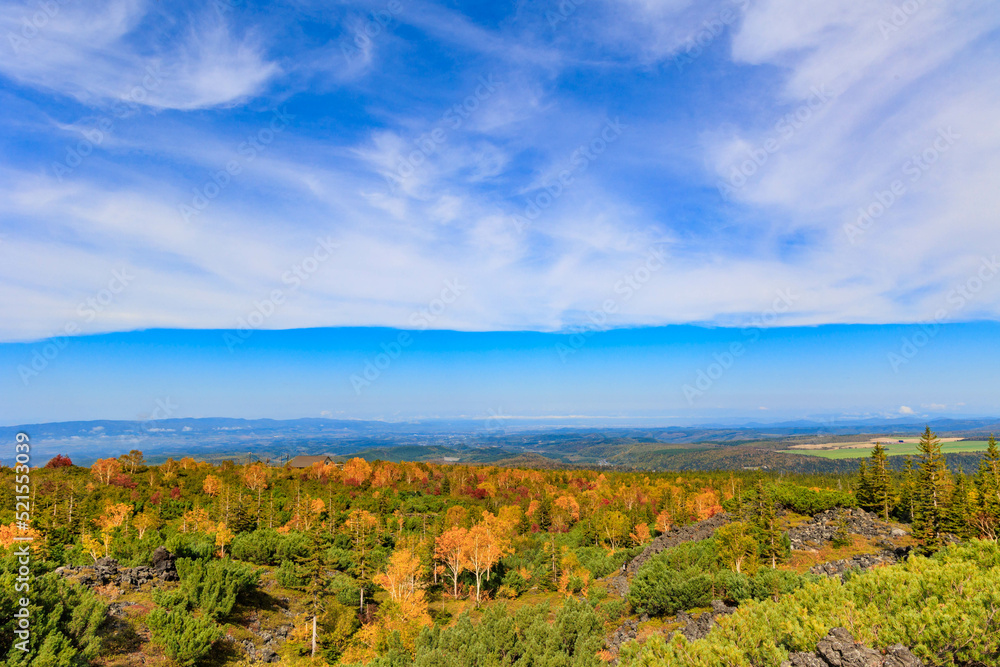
(824, 526)
(838, 649)
(107, 571)
(838, 568)
(698, 627)
(626, 632)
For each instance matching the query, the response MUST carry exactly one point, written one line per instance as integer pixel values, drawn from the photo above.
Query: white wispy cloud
(869, 99)
(97, 55)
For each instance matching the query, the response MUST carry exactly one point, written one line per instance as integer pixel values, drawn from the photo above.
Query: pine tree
(879, 482)
(863, 491)
(543, 515)
(906, 491)
(987, 517)
(959, 514)
(930, 495)
(314, 569)
(769, 535)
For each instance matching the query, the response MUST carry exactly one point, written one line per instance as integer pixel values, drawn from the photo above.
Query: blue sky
(677, 374)
(493, 168)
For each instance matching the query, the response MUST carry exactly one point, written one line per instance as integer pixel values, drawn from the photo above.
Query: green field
(893, 449)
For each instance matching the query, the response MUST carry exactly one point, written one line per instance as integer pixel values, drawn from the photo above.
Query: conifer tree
(769, 535)
(906, 491)
(313, 567)
(959, 512)
(930, 495)
(987, 516)
(879, 483)
(863, 492)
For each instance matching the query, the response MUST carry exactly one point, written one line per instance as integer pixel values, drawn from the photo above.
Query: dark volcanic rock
(824, 526)
(625, 632)
(164, 565)
(106, 570)
(698, 627)
(837, 568)
(838, 649)
(618, 585)
(136, 576)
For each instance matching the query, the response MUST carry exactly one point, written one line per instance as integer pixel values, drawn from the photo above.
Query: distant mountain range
(563, 441)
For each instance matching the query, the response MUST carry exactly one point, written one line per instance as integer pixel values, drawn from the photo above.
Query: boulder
(164, 564)
(838, 649)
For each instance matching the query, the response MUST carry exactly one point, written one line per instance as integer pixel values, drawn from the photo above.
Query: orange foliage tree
(405, 613)
(105, 469)
(356, 472)
(113, 517)
(450, 550)
(481, 553)
(212, 485)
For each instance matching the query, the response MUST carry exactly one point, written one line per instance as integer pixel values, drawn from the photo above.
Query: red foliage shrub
(59, 461)
(124, 481)
(175, 493)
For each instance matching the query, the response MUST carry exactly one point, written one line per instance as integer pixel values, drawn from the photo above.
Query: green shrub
(258, 547)
(172, 599)
(292, 546)
(613, 610)
(184, 638)
(808, 501)
(287, 575)
(690, 575)
(768, 583)
(663, 591)
(732, 586)
(339, 559)
(515, 582)
(525, 637)
(195, 546)
(943, 608)
(266, 546)
(65, 622)
(214, 586)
